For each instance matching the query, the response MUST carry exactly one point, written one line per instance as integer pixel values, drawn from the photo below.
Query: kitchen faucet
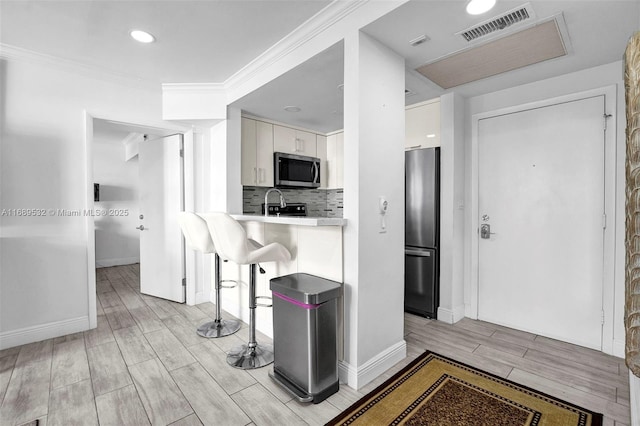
(266, 200)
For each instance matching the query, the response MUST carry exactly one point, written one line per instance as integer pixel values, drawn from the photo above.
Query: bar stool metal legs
(251, 355)
(218, 327)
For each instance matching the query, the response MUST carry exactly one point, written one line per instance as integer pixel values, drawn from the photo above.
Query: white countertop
(292, 220)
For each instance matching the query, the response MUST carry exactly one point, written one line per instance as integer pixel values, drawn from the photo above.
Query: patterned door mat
(435, 390)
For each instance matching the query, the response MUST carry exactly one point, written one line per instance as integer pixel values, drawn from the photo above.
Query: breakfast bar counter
(315, 244)
(292, 220)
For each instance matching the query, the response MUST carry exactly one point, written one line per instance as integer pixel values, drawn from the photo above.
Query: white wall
(374, 167)
(117, 239)
(226, 192)
(593, 78)
(44, 285)
(452, 207)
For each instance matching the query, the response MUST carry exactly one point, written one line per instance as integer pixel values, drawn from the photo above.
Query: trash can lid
(306, 288)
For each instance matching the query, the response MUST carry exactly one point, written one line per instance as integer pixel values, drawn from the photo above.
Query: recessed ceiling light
(292, 108)
(142, 36)
(477, 7)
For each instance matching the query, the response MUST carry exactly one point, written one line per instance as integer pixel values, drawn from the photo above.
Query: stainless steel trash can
(305, 335)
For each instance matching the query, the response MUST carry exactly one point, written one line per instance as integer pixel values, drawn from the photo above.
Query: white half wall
(374, 169)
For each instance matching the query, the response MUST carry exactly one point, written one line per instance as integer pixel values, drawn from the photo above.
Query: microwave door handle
(316, 168)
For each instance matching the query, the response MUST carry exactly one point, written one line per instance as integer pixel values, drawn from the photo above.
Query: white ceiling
(203, 41)
(312, 86)
(598, 32)
(210, 40)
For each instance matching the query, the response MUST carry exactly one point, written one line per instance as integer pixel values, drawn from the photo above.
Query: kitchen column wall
(225, 159)
(452, 175)
(374, 167)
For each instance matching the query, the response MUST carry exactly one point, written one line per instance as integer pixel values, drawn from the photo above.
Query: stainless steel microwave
(296, 171)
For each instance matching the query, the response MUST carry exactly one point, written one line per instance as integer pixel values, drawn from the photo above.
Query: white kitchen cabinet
(321, 150)
(335, 161)
(292, 141)
(249, 153)
(264, 153)
(422, 125)
(257, 153)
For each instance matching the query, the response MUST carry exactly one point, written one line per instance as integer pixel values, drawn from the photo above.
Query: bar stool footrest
(235, 283)
(264, 305)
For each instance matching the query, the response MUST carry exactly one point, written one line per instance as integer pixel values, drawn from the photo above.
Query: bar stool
(197, 236)
(232, 244)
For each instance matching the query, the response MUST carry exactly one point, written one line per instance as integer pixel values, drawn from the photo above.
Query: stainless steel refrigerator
(422, 231)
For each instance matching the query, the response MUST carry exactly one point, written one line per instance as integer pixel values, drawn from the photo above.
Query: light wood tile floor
(144, 364)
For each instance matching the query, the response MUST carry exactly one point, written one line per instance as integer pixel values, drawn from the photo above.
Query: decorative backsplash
(320, 202)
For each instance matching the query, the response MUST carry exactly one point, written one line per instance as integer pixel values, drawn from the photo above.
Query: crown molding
(319, 32)
(194, 88)
(18, 54)
(317, 24)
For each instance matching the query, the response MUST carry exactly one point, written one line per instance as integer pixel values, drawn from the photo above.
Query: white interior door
(161, 198)
(541, 191)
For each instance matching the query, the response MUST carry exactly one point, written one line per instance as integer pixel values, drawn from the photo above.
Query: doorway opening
(114, 196)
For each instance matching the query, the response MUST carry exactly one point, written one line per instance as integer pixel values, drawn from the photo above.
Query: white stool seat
(274, 252)
(196, 232)
(197, 236)
(232, 244)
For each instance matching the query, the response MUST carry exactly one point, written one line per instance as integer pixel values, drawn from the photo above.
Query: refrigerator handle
(421, 253)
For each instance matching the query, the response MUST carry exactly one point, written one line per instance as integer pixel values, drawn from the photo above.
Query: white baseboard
(105, 263)
(357, 377)
(202, 297)
(451, 316)
(9, 339)
(618, 348)
(634, 398)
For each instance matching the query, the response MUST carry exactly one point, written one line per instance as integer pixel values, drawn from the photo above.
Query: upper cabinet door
(321, 150)
(306, 143)
(249, 171)
(264, 153)
(422, 123)
(335, 160)
(340, 160)
(286, 139)
(257, 153)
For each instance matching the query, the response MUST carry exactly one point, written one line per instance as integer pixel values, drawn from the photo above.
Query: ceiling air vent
(514, 16)
(527, 46)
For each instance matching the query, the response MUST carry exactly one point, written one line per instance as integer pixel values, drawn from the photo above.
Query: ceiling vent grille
(514, 16)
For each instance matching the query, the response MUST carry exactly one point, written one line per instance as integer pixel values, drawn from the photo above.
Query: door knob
(141, 227)
(485, 231)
